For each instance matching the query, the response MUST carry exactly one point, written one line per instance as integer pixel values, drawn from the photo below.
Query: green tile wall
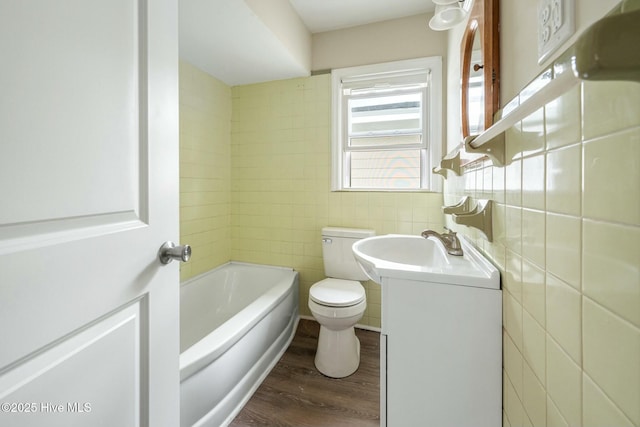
(567, 242)
(255, 179)
(280, 180)
(205, 170)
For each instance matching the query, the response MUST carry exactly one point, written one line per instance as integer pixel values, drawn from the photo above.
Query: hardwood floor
(296, 394)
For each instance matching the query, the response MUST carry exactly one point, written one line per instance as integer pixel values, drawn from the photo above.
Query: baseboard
(359, 326)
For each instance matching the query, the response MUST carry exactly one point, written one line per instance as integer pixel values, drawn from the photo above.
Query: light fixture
(448, 14)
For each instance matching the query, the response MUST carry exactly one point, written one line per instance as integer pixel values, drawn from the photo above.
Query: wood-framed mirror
(480, 66)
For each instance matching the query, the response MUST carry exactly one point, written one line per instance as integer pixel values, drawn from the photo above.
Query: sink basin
(401, 249)
(426, 260)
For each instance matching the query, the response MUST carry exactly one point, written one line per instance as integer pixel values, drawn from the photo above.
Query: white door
(88, 193)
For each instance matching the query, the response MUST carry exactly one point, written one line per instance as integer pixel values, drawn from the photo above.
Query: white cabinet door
(443, 354)
(88, 193)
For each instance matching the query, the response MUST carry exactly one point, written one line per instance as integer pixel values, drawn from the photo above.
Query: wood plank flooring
(295, 394)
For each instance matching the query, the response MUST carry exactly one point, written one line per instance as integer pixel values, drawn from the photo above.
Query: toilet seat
(332, 292)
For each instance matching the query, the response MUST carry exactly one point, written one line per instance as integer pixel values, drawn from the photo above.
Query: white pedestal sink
(441, 341)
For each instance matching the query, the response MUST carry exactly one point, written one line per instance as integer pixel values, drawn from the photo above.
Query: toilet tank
(339, 261)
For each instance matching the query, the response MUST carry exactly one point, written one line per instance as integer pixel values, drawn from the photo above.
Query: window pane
(385, 114)
(389, 169)
(382, 141)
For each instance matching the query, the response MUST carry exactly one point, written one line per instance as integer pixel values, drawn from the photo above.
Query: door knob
(170, 251)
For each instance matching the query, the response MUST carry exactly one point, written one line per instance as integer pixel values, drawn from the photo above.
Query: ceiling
(227, 38)
(327, 15)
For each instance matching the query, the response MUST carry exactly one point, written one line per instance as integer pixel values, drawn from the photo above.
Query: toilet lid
(337, 292)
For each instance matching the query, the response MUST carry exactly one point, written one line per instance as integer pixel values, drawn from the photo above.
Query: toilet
(338, 302)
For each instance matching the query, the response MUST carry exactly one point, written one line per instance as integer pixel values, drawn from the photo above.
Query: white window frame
(433, 109)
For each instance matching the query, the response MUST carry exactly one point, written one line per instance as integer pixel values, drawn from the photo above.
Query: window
(387, 126)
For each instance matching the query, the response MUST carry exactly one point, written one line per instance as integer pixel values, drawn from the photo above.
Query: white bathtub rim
(224, 337)
(252, 379)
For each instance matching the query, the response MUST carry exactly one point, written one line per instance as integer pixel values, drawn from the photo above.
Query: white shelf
(550, 91)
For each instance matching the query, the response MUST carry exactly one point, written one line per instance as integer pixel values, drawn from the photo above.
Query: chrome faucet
(448, 239)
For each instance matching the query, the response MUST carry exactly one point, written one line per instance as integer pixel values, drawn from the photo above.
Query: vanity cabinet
(441, 354)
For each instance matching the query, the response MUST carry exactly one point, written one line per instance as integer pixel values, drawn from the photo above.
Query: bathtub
(236, 321)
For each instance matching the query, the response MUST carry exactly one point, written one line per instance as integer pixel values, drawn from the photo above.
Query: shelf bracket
(449, 162)
(605, 50)
(462, 207)
(480, 218)
(493, 148)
